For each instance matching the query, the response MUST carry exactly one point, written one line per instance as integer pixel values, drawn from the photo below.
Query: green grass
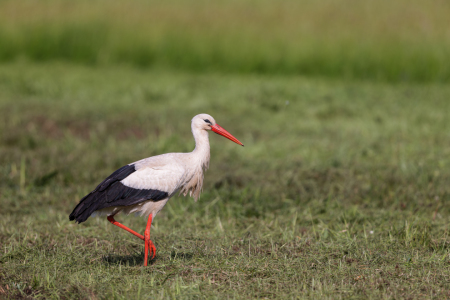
(341, 191)
(391, 41)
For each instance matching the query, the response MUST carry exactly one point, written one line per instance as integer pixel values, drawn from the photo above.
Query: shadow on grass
(128, 260)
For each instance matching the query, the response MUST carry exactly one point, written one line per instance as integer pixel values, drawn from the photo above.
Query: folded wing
(128, 186)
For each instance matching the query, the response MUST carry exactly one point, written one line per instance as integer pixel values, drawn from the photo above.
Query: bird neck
(201, 151)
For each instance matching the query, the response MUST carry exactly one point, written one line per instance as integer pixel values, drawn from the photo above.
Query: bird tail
(84, 209)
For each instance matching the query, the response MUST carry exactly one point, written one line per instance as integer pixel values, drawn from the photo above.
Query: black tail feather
(90, 203)
(84, 209)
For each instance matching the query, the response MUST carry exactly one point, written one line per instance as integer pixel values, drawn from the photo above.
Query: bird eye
(207, 121)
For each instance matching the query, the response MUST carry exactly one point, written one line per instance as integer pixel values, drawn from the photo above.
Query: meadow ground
(341, 191)
(392, 41)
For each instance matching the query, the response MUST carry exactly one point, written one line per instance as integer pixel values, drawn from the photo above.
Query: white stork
(145, 186)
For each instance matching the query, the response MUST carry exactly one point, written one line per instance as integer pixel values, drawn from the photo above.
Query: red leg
(114, 222)
(147, 241)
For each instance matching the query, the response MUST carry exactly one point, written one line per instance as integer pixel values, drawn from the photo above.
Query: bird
(144, 187)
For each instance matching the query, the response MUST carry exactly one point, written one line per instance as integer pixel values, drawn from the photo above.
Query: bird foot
(152, 248)
(149, 248)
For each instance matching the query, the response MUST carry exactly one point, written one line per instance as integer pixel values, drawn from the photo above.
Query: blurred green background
(341, 191)
(385, 40)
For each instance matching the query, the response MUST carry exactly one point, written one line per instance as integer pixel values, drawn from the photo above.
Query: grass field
(390, 41)
(341, 191)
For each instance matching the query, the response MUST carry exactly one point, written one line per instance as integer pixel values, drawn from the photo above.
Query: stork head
(206, 122)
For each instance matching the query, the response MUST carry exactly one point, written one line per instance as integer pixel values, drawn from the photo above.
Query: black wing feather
(111, 192)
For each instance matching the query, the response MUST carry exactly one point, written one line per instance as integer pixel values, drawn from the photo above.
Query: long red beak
(219, 130)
